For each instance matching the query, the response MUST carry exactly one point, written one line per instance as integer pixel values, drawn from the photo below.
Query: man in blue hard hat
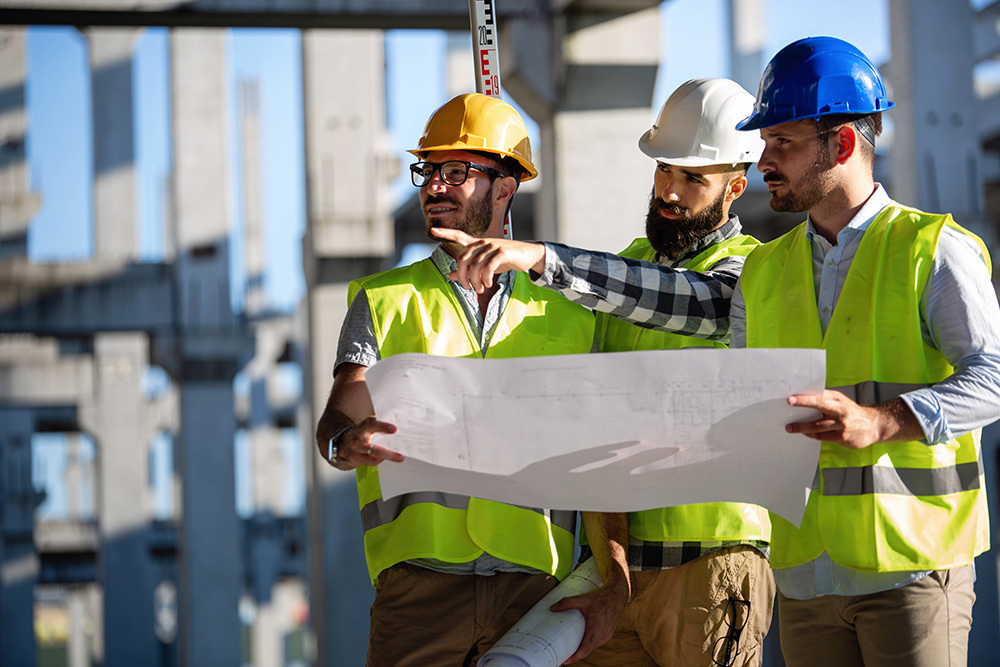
(881, 570)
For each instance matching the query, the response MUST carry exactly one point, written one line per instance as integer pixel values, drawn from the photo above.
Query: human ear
(508, 186)
(736, 188)
(846, 143)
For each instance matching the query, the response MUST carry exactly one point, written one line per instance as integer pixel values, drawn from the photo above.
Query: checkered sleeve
(644, 293)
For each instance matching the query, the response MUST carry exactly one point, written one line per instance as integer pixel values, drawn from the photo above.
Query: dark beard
(812, 188)
(672, 237)
(478, 215)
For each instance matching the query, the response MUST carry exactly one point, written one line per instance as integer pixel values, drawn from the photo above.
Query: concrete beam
(53, 299)
(371, 14)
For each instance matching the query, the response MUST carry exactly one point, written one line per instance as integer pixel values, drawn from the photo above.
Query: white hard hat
(697, 126)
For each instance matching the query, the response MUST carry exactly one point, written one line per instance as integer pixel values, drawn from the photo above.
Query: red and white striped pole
(486, 60)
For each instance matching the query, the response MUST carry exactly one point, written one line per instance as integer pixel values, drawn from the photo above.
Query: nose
(436, 184)
(766, 162)
(669, 192)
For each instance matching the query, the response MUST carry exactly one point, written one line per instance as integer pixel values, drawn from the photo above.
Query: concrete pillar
(121, 424)
(114, 154)
(936, 152)
(18, 559)
(18, 204)
(341, 592)
(348, 167)
(84, 605)
(254, 301)
(595, 182)
(209, 350)
(747, 36)
(459, 74)
(347, 150)
(209, 540)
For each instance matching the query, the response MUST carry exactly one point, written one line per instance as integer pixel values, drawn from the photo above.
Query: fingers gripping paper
(613, 432)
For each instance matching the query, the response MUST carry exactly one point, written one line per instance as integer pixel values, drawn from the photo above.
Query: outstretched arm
(349, 412)
(644, 293)
(602, 607)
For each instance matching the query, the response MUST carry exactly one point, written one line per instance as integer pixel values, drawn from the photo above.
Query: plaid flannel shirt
(654, 296)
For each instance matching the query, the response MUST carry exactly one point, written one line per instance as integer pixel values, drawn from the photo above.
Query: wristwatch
(333, 447)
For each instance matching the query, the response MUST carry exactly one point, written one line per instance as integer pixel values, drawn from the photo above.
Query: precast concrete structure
(78, 340)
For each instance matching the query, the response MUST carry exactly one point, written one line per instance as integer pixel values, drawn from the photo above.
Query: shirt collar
(730, 228)
(861, 220)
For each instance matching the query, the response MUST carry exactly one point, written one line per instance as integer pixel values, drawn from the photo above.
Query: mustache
(773, 176)
(673, 209)
(439, 199)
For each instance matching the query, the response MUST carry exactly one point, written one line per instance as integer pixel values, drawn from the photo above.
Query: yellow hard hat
(476, 122)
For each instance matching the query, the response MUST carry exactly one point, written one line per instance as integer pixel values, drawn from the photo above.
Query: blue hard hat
(813, 77)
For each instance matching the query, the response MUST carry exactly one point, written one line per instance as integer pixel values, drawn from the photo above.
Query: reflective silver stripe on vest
(901, 481)
(873, 393)
(379, 512)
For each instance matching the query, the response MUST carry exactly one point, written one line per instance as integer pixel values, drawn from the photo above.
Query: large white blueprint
(602, 432)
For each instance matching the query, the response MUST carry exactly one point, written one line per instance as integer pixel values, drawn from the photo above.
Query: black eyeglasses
(728, 646)
(453, 172)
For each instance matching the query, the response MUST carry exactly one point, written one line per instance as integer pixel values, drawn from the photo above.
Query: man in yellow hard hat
(452, 573)
(702, 589)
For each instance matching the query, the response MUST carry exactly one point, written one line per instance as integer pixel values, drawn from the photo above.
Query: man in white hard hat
(452, 573)
(702, 590)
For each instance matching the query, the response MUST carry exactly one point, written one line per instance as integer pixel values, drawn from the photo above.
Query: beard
(672, 237)
(476, 221)
(812, 188)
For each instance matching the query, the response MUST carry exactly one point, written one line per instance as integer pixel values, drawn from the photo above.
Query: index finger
(456, 235)
(817, 401)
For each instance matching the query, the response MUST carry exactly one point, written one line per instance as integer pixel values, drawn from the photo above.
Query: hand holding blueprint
(544, 638)
(612, 432)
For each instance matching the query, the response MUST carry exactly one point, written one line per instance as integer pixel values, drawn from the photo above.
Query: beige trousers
(695, 615)
(422, 618)
(923, 624)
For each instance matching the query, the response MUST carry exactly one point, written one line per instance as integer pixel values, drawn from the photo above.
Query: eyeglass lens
(452, 173)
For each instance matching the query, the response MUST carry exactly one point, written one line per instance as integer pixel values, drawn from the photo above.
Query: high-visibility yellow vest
(895, 506)
(414, 309)
(704, 521)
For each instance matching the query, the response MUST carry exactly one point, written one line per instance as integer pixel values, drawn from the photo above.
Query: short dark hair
(507, 165)
(868, 126)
